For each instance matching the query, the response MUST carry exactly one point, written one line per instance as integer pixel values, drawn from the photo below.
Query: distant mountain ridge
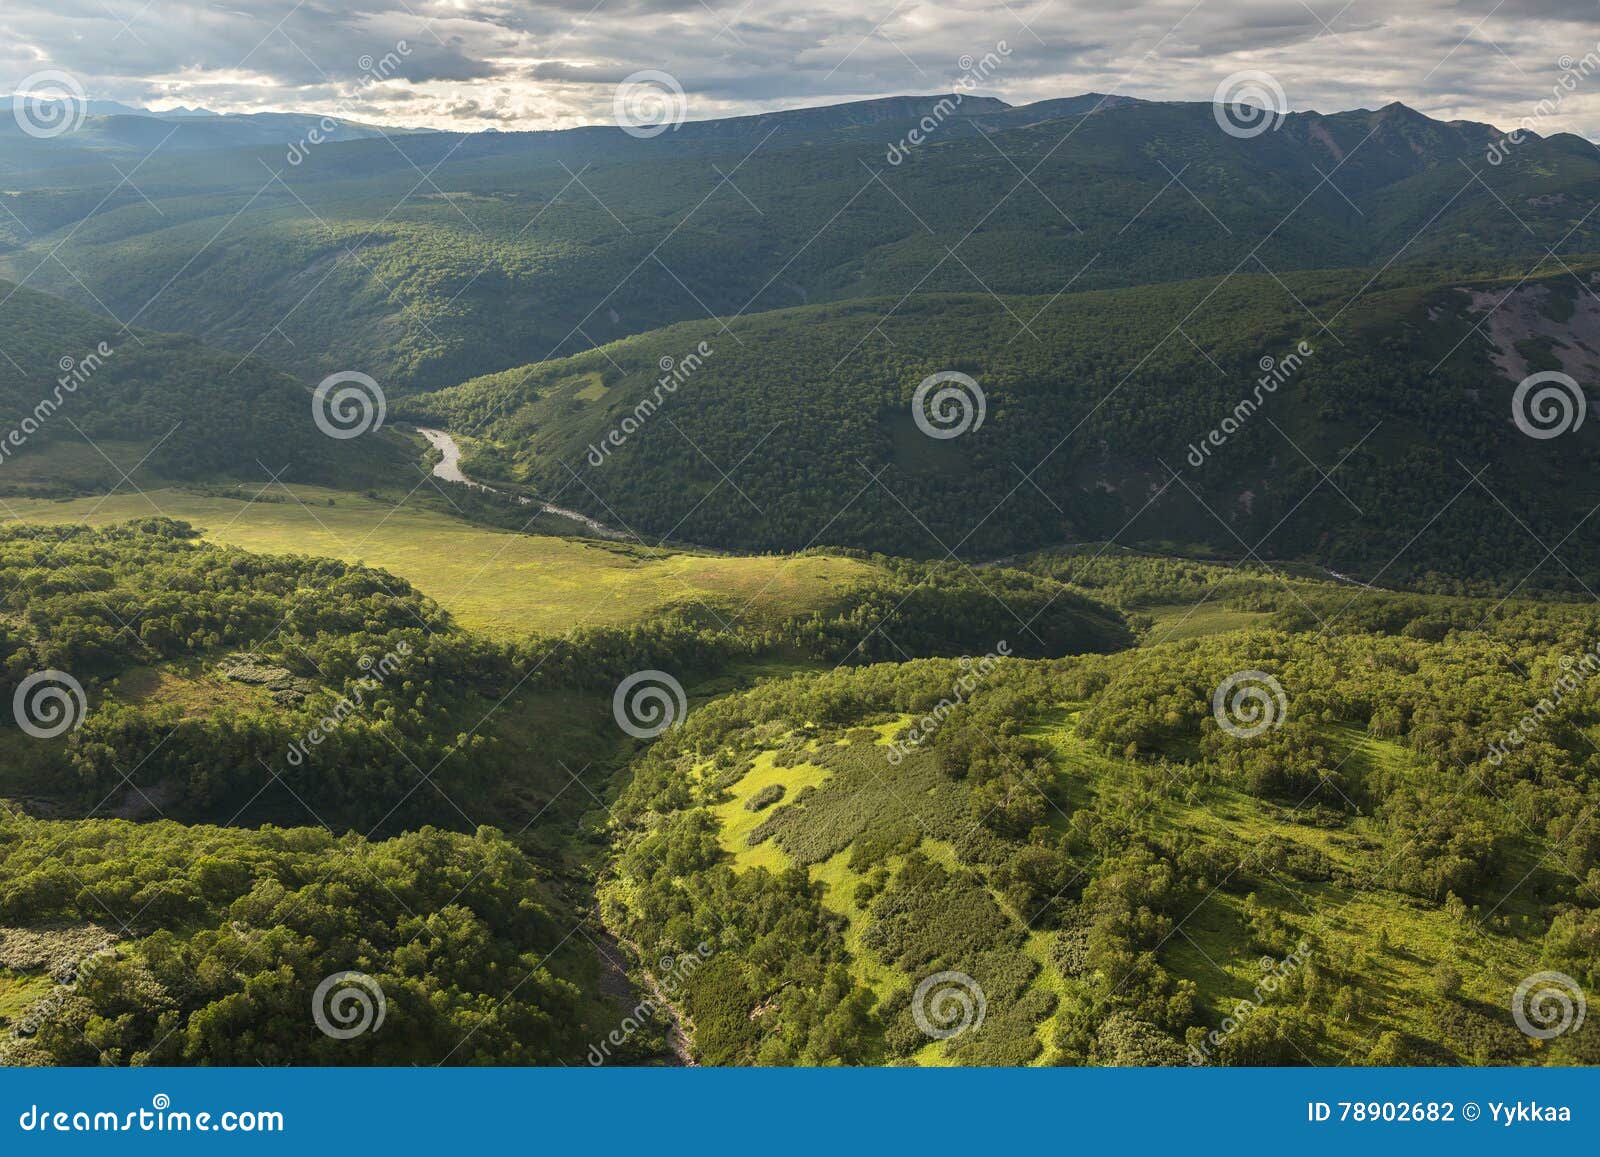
(1134, 251)
(114, 127)
(522, 246)
(98, 108)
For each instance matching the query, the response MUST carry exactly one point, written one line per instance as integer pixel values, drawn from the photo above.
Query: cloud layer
(552, 64)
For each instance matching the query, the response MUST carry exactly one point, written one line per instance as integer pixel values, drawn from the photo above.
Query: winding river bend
(448, 468)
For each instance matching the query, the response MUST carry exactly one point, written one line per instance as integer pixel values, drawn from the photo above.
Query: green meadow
(499, 582)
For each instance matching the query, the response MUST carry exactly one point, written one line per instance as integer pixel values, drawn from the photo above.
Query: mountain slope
(122, 135)
(797, 426)
(394, 258)
(72, 381)
(1078, 863)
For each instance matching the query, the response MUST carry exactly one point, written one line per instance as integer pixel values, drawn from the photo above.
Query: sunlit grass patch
(496, 581)
(738, 821)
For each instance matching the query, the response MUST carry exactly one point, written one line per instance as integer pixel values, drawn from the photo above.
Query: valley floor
(500, 582)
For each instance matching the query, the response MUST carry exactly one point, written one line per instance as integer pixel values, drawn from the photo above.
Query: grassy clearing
(18, 991)
(500, 582)
(194, 694)
(1339, 924)
(1186, 621)
(738, 822)
(75, 464)
(1221, 947)
(840, 897)
(845, 773)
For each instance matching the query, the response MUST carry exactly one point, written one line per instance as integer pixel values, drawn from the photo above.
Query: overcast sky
(556, 63)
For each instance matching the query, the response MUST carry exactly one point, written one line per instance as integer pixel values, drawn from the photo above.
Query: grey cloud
(522, 64)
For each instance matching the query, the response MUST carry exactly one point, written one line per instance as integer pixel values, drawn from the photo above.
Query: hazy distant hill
(434, 258)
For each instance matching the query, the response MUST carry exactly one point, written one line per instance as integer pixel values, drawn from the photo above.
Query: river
(448, 468)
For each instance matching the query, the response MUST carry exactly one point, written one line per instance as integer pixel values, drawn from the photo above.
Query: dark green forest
(73, 383)
(1345, 460)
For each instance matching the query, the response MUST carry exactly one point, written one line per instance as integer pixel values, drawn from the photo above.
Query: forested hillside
(1343, 871)
(913, 582)
(504, 257)
(1090, 424)
(72, 380)
(200, 671)
(157, 678)
(458, 931)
